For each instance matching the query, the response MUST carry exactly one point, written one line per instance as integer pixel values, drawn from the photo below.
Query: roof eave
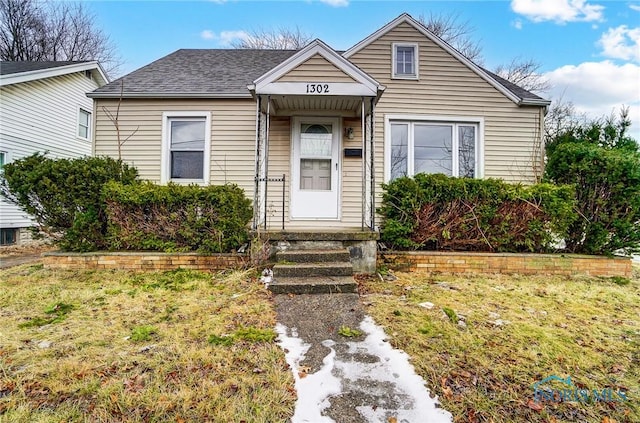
(19, 77)
(169, 95)
(534, 102)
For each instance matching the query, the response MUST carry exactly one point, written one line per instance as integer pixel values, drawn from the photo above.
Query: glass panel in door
(315, 157)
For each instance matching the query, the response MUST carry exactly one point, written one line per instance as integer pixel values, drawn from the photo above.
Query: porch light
(348, 132)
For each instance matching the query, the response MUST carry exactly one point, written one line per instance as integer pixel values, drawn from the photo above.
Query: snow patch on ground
(372, 366)
(315, 389)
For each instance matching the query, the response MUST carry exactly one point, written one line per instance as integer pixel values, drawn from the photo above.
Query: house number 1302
(317, 88)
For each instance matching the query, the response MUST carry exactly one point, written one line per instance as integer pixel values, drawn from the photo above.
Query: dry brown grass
(134, 347)
(585, 328)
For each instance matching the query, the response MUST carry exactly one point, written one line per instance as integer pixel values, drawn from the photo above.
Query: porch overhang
(316, 93)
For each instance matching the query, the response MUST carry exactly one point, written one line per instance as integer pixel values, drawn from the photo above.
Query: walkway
(348, 380)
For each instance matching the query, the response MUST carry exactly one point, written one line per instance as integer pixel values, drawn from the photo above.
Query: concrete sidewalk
(10, 261)
(348, 380)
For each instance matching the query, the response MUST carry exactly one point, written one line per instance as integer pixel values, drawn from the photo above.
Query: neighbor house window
(186, 147)
(405, 61)
(3, 159)
(84, 124)
(8, 236)
(451, 148)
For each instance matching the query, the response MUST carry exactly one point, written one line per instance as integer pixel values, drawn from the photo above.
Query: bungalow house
(311, 134)
(43, 108)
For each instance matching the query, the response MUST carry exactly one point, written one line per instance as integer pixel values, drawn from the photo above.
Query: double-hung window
(427, 146)
(84, 124)
(405, 61)
(186, 147)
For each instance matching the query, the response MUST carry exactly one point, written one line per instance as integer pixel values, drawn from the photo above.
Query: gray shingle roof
(192, 72)
(220, 73)
(515, 89)
(8, 68)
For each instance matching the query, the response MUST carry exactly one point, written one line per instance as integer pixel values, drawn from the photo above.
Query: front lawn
(116, 346)
(517, 331)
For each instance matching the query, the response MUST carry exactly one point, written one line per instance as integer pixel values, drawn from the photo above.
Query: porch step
(300, 270)
(314, 285)
(313, 256)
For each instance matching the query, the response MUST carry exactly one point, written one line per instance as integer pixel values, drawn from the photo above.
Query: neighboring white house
(43, 108)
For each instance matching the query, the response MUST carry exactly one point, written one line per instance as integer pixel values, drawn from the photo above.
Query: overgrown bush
(177, 217)
(64, 196)
(437, 212)
(604, 166)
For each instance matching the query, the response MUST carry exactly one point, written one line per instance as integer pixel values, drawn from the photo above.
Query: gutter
(242, 95)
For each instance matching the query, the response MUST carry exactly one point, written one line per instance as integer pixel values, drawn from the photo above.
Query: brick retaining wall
(550, 264)
(143, 261)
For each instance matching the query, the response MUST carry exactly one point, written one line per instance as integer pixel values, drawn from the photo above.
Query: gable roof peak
(514, 93)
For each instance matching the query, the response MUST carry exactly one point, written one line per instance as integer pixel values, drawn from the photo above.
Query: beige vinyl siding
(446, 87)
(42, 116)
(232, 136)
(316, 68)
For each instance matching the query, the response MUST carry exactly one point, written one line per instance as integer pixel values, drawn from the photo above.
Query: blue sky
(588, 49)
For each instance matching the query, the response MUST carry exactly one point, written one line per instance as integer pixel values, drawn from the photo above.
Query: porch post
(256, 190)
(364, 162)
(373, 165)
(266, 158)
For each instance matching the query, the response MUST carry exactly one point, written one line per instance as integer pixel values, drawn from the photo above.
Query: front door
(315, 168)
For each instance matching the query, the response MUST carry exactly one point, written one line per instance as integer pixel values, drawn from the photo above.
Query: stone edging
(143, 261)
(508, 263)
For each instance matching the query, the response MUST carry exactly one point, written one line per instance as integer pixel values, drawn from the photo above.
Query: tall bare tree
(38, 30)
(524, 73)
(274, 39)
(457, 33)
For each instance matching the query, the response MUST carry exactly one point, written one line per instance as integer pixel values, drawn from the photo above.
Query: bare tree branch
(455, 32)
(39, 30)
(524, 73)
(274, 39)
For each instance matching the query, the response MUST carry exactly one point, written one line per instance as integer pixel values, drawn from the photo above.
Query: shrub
(604, 167)
(64, 196)
(177, 217)
(443, 213)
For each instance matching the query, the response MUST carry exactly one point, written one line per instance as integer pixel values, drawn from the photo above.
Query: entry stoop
(313, 272)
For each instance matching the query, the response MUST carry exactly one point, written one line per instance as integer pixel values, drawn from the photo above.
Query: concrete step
(299, 270)
(314, 285)
(313, 256)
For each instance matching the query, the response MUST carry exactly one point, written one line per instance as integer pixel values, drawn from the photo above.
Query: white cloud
(336, 3)
(599, 88)
(224, 38)
(207, 34)
(621, 43)
(558, 11)
(517, 24)
(635, 7)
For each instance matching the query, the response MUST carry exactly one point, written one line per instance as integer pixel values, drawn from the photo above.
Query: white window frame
(89, 122)
(426, 119)
(165, 169)
(416, 61)
(6, 159)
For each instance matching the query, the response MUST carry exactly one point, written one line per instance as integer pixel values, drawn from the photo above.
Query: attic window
(88, 74)
(405, 61)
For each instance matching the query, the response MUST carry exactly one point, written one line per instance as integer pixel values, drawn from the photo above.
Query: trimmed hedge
(437, 212)
(177, 217)
(64, 196)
